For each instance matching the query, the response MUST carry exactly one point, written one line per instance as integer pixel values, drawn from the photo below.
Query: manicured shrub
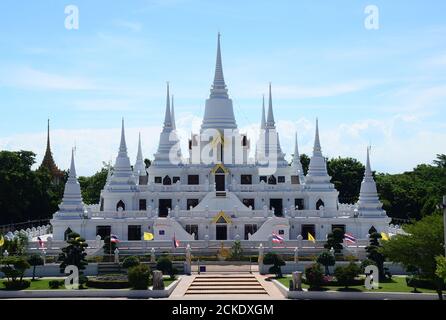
(314, 276)
(277, 262)
(165, 265)
(14, 268)
(35, 260)
(327, 259)
(345, 275)
(56, 284)
(365, 263)
(17, 284)
(131, 261)
(111, 281)
(139, 277)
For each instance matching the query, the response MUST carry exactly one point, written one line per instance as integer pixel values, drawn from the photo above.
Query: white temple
(218, 192)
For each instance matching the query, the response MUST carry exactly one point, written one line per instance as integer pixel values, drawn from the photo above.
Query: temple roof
(48, 160)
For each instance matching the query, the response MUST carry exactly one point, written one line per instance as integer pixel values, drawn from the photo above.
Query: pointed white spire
(317, 172)
(139, 168)
(297, 164)
(317, 150)
(172, 114)
(123, 144)
(369, 204)
(263, 121)
(122, 170)
(219, 112)
(270, 123)
(219, 89)
(72, 173)
(72, 204)
(167, 116)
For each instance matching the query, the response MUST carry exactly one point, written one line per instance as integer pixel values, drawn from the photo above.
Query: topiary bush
(327, 259)
(131, 261)
(17, 284)
(277, 262)
(139, 277)
(56, 284)
(314, 276)
(346, 275)
(109, 281)
(365, 263)
(165, 265)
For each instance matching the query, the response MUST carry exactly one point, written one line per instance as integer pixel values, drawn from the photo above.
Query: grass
(397, 284)
(43, 284)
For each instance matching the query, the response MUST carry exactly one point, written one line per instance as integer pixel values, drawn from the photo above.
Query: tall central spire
(219, 112)
(219, 89)
(270, 123)
(167, 117)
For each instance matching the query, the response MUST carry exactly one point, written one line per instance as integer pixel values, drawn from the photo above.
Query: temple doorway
(221, 231)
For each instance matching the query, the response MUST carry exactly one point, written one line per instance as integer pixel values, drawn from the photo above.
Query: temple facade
(215, 190)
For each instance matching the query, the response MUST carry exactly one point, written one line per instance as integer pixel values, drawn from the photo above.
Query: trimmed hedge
(56, 284)
(421, 283)
(17, 285)
(110, 281)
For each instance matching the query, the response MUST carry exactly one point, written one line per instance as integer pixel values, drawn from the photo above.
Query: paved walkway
(226, 285)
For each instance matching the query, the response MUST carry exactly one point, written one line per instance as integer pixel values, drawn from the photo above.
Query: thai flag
(41, 244)
(176, 243)
(114, 238)
(349, 238)
(277, 238)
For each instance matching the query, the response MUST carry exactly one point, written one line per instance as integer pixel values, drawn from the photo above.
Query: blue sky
(382, 87)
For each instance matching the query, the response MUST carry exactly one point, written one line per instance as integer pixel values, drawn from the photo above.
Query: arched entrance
(220, 173)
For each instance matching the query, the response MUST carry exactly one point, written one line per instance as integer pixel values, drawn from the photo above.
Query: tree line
(27, 194)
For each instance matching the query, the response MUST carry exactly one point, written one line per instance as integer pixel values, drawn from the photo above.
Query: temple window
(167, 181)
(120, 206)
(281, 179)
(272, 180)
(193, 179)
(246, 179)
(319, 204)
(158, 179)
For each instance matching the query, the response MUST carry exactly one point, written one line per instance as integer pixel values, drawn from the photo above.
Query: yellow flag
(311, 238)
(2, 241)
(148, 236)
(384, 236)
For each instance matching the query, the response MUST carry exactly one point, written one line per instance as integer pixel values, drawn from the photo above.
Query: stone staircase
(225, 284)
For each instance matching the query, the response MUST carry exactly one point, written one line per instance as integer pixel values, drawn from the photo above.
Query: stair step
(224, 292)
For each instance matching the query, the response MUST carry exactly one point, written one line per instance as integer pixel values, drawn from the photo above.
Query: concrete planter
(91, 293)
(337, 295)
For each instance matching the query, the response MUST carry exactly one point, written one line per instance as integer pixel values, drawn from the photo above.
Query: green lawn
(43, 284)
(398, 284)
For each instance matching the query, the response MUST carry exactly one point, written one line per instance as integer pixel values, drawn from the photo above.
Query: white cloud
(390, 152)
(30, 78)
(133, 26)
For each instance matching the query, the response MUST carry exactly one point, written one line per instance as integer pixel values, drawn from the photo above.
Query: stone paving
(226, 285)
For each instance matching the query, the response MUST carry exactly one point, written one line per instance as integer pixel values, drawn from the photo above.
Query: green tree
(414, 194)
(373, 252)
(441, 161)
(147, 162)
(74, 253)
(236, 250)
(35, 260)
(441, 267)
(347, 175)
(277, 263)
(305, 160)
(327, 260)
(14, 268)
(25, 194)
(91, 186)
(335, 240)
(109, 247)
(345, 275)
(419, 247)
